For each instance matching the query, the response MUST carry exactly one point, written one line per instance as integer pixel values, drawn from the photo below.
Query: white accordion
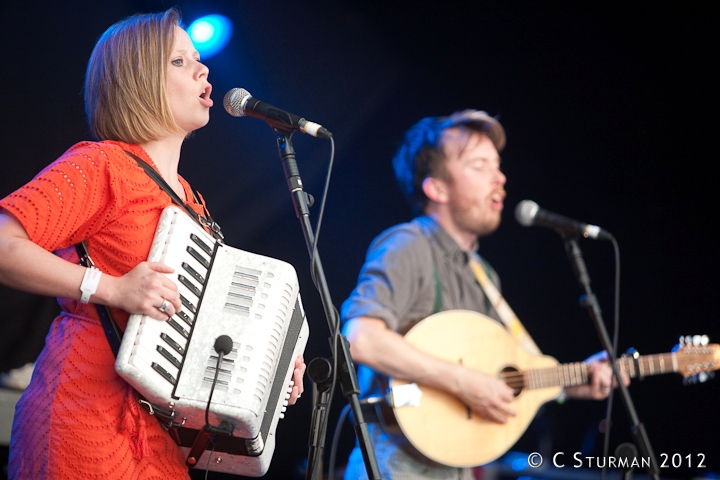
(225, 291)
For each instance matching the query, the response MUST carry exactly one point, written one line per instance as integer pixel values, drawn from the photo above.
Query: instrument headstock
(697, 358)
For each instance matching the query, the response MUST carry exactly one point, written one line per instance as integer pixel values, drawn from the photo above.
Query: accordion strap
(206, 222)
(112, 331)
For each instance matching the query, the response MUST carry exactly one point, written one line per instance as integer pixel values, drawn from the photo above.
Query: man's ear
(435, 189)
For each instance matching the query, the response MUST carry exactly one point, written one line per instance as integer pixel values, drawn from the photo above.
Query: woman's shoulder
(100, 153)
(105, 159)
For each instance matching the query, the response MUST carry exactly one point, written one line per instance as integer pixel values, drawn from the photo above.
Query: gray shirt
(399, 281)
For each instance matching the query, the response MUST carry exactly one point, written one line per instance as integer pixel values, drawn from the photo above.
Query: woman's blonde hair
(125, 83)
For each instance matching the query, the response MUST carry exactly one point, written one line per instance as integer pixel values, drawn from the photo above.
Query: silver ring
(164, 306)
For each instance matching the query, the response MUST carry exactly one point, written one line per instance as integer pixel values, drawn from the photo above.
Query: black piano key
(178, 328)
(205, 247)
(173, 344)
(198, 256)
(164, 373)
(193, 273)
(187, 304)
(183, 279)
(169, 356)
(186, 318)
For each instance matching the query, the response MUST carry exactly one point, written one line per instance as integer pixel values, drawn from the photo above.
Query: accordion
(225, 291)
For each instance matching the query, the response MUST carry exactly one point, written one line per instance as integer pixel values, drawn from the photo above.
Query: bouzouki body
(444, 430)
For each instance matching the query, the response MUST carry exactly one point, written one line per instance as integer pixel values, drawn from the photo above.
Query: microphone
(529, 213)
(223, 344)
(239, 103)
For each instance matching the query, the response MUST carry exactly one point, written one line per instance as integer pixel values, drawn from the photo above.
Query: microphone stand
(590, 302)
(346, 368)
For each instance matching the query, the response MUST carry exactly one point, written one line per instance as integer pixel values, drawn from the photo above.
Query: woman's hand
(298, 387)
(144, 290)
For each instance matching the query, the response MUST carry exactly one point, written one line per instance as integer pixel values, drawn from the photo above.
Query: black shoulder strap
(206, 222)
(112, 331)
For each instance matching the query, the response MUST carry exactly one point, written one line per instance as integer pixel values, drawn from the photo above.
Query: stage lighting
(210, 34)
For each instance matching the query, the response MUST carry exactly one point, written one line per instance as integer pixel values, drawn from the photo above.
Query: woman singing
(145, 91)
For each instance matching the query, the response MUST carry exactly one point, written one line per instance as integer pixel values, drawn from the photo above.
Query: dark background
(611, 117)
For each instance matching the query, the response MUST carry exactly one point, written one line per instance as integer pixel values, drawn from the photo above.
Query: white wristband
(89, 284)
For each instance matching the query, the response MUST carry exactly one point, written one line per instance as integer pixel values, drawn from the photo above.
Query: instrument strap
(506, 314)
(438, 292)
(112, 331)
(206, 222)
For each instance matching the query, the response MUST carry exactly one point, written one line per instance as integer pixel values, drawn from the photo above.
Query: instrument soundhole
(513, 378)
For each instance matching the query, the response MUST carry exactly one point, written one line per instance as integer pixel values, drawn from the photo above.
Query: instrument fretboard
(569, 374)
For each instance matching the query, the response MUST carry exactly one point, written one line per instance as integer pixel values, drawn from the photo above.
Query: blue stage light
(210, 34)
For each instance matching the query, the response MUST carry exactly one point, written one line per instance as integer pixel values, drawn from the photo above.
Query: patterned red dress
(78, 419)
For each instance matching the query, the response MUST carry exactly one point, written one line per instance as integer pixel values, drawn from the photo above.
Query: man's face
(474, 182)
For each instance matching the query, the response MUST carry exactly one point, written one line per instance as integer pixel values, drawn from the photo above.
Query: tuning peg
(631, 352)
(700, 377)
(693, 340)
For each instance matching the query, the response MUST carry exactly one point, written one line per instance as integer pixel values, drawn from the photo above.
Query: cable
(616, 334)
(336, 440)
(335, 322)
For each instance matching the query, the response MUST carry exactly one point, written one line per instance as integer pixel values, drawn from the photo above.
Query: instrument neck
(570, 374)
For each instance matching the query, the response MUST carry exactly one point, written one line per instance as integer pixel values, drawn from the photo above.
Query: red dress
(78, 419)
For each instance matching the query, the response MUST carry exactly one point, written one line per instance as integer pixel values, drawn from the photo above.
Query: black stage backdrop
(610, 112)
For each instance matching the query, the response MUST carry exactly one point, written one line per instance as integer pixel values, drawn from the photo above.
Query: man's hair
(422, 152)
(126, 80)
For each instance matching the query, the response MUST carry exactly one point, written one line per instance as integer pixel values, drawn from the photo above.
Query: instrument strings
(513, 379)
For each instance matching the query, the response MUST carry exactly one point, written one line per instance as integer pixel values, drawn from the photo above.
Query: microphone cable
(616, 334)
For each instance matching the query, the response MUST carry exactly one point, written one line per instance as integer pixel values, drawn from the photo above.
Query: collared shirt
(398, 282)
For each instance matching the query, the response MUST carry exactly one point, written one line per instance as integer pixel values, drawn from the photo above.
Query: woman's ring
(164, 306)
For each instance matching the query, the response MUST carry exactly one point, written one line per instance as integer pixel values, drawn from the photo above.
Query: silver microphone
(239, 102)
(529, 213)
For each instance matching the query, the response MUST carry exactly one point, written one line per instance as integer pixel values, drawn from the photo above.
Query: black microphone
(223, 344)
(239, 103)
(529, 213)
